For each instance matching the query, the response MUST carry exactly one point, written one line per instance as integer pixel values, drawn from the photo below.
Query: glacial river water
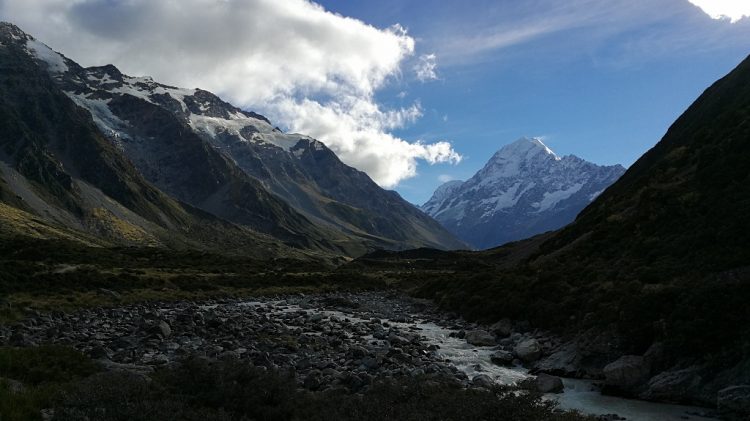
(580, 395)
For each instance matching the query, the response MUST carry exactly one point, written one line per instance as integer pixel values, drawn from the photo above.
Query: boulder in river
(626, 372)
(543, 383)
(483, 380)
(503, 328)
(480, 338)
(503, 358)
(565, 362)
(549, 384)
(528, 351)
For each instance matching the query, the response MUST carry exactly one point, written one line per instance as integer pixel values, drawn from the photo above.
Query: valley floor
(314, 347)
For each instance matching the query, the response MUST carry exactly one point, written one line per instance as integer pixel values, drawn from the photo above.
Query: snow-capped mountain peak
(523, 190)
(525, 148)
(443, 192)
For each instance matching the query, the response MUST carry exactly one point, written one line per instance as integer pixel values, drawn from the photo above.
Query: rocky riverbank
(326, 341)
(339, 341)
(330, 342)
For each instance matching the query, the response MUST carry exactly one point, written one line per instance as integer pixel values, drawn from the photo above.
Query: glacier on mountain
(523, 190)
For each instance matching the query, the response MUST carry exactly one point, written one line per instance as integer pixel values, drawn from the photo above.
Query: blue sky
(414, 92)
(605, 85)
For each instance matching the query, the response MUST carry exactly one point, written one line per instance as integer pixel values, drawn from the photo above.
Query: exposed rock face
(524, 190)
(565, 361)
(528, 351)
(144, 144)
(675, 385)
(734, 403)
(171, 134)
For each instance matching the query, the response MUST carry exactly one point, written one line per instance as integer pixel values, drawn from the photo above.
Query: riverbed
(343, 341)
(580, 395)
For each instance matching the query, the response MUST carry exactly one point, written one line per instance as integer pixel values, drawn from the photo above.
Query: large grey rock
(159, 328)
(565, 362)
(548, 384)
(482, 380)
(528, 350)
(503, 358)
(480, 338)
(674, 385)
(626, 372)
(502, 328)
(733, 403)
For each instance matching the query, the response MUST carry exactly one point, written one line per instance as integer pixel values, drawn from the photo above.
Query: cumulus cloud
(360, 128)
(426, 67)
(312, 71)
(732, 10)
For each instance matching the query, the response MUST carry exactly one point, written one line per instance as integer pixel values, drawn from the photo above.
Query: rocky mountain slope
(524, 189)
(204, 152)
(62, 179)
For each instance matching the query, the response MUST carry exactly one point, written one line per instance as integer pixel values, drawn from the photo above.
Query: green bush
(44, 364)
(199, 390)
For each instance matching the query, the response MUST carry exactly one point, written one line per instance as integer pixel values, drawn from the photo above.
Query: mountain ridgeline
(91, 151)
(524, 190)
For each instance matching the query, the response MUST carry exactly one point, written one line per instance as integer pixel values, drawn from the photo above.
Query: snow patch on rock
(55, 62)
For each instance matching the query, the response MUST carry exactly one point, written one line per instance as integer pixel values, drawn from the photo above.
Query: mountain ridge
(524, 189)
(234, 164)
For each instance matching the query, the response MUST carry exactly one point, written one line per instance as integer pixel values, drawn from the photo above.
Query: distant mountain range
(99, 154)
(523, 190)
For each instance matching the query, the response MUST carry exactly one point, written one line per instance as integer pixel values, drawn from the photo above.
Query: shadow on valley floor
(60, 384)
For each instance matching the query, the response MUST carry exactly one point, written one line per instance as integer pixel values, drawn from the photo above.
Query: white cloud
(444, 178)
(311, 70)
(612, 32)
(733, 10)
(359, 129)
(426, 67)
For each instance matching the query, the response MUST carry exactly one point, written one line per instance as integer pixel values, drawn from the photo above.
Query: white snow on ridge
(55, 62)
(551, 199)
(129, 87)
(441, 194)
(145, 88)
(109, 124)
(213, 126)
(506, 199)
